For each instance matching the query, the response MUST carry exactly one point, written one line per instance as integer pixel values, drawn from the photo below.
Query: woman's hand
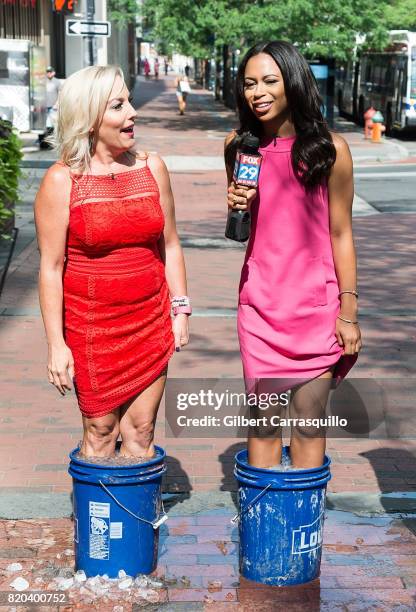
(348, 336)
(240, 197)
(60, 360)
(180, 328)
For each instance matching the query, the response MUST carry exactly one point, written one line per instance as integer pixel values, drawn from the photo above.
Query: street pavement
(369, 541)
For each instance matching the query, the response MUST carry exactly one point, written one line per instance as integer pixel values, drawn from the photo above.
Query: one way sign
(76, 27)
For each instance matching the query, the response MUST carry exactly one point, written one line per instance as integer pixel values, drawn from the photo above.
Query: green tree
(319, 27)
(401, 15)
(122, 12)
(206, 29)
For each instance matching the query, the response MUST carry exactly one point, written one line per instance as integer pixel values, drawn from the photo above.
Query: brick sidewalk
(51, 425)
(39, 427)
(367, 564)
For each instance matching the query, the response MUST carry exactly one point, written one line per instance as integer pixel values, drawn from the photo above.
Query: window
(413, 74)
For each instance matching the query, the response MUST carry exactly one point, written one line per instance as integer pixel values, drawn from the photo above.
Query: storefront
(21, 20)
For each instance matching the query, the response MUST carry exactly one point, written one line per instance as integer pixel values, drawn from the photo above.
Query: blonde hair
(81, 105)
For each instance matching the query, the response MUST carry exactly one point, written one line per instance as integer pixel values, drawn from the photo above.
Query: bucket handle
(249, 505)
(163, 517)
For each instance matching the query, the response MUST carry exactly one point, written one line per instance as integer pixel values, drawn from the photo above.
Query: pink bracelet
(181, 304)
(182, 310)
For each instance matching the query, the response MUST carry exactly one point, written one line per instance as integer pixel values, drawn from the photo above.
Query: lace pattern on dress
(137, 183)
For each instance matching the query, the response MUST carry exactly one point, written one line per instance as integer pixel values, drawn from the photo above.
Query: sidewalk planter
(10, 156)
(7, 245)
(281, 521)
(117, 513)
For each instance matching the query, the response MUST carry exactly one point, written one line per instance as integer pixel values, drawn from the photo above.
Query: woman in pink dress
(297, 313)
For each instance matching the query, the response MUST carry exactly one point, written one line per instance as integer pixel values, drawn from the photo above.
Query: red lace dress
(116, 301)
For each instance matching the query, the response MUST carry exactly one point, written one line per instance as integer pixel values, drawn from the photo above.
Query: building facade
(43, 24)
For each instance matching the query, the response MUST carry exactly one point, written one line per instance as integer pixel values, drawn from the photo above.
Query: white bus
(385, 80)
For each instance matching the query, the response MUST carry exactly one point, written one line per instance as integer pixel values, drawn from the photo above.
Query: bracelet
(346, 320)
(182, 310)
(348, 291)
(180, 300)
(181, 304)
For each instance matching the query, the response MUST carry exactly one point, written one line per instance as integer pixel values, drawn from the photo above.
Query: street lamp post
(90, 40)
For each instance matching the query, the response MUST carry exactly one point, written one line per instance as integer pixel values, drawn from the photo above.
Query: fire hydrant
(368, 121)
(378, 127)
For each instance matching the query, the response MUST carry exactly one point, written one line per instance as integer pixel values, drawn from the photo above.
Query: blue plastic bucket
(117, 513)
(281, 521)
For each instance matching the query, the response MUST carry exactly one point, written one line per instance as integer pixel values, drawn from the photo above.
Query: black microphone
(246, 172)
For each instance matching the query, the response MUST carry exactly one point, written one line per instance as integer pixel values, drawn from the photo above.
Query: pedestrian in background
(146, 67)
(297, 313)
(183, 87)
(156, 68)
(53, 87)
(110, 259)
(166, 66)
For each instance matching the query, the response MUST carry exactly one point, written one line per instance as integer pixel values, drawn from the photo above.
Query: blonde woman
(111, 266)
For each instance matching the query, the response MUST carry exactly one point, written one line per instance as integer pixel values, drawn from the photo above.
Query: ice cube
(154, 583)
(87, 594)
(66, 572)
(122, 574)
(65, 583)
(80, 576)
(125, 584)
(185, 581)
(214, 585)
(93, 581)
(14, 567)
(141, 581)
(19, 584)
(149, 595)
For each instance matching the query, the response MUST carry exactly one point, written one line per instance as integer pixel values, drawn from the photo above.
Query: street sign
(76, 27)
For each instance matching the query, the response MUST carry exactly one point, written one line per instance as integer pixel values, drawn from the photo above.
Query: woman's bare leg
(309, 400)
(265, 442)
(137, 421)
(264, 452)
(100, 435)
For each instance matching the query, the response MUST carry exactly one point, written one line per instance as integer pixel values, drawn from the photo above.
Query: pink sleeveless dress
(288, 300)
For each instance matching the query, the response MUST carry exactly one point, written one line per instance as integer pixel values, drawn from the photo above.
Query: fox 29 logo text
(247, 170)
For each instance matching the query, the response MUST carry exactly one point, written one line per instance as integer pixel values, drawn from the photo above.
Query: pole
(90, 40)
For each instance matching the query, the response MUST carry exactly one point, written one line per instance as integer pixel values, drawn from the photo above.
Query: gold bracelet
(346, 320)
(348, 291)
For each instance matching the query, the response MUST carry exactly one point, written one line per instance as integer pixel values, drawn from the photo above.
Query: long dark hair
(313, 152)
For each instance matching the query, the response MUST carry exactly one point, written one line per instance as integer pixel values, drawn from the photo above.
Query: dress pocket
(316, 273)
